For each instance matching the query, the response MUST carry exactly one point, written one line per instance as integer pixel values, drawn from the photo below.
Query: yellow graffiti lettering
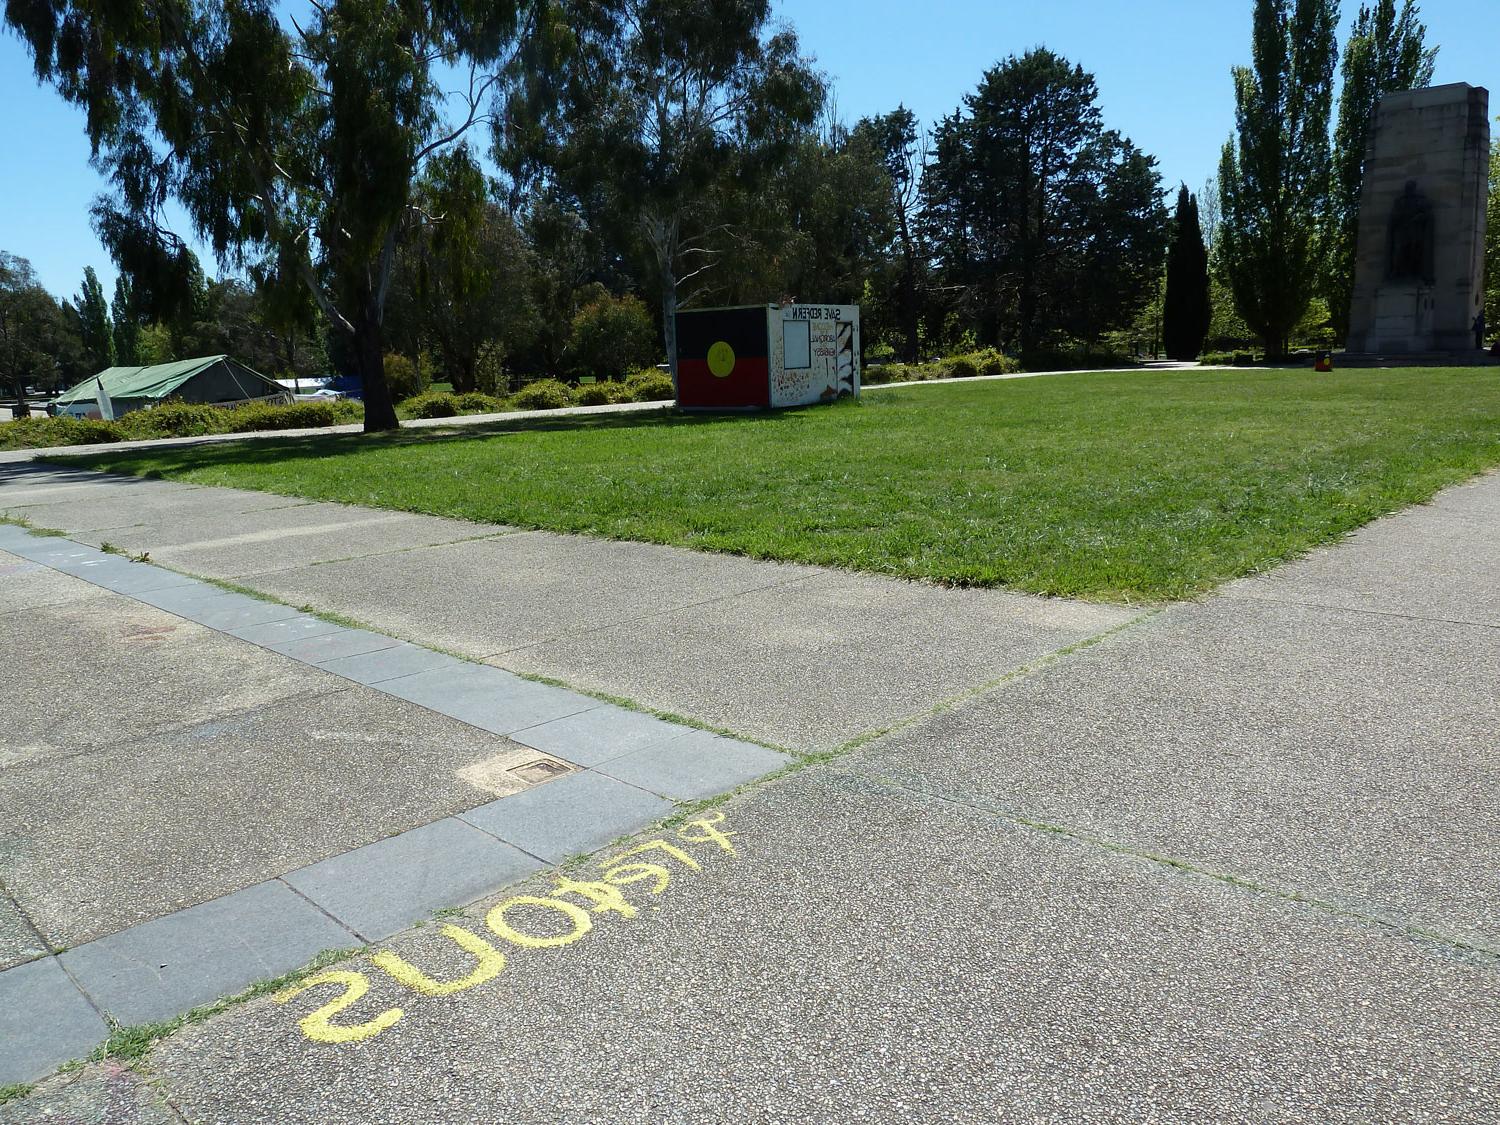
(658, 846)
(707, 832)
(606, 899)
(490, 962)
(582, 923)
(318, 1025)
(617, 876)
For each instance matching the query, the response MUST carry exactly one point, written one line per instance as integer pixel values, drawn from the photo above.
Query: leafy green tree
(94, 323)
(902, 148)
(669, 107)
(293, 152)
(471, 270)
(1187, 309)
(818, 227)
(1386, 52)
(612, 337)
(125, 324)
(1273, 177)
(1046, 223)
(25, 307)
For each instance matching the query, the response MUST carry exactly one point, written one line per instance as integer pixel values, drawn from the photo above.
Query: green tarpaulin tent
(215, 379)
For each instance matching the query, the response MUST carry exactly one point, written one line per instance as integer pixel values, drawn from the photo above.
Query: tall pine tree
(1385, 53)
(94, 323)
(1273, 177)
(1187, 309)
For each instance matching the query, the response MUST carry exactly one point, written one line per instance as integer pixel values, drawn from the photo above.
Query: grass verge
(1111, 486)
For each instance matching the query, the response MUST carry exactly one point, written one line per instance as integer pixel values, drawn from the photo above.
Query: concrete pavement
(1231, 862)
(801, 657)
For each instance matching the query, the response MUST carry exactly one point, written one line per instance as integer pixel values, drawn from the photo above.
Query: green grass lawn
(1143, 485)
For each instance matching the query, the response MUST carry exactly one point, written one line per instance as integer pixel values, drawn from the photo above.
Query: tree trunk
(23, 408)
(369, 356)
(669, 324)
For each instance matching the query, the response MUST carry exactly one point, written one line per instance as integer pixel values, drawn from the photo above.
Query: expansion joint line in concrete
(1483, 955)
(1364, 612)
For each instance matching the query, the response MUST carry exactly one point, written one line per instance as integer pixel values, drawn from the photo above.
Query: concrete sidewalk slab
(384, 887)
(157, 970)
(110, 1093)
(695, 766)
(491, 595)
(1435, 561)
(317, 646)
(811, 664)
(44, 1020)
(97, 842)
(281, 538)
(390, 664)
(103, 669)
(19, 942)
(597, 735)
(274, 633)
(1349, 756)
(571, 816)
(871, 955)
(26, 585)
(113, 512)
(488, 698)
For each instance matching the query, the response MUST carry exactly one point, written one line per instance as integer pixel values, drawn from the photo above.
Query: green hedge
(986, 361)
(176, 419)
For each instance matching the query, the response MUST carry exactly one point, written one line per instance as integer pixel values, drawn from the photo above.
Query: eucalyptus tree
(669, 107)
(1386, 52)
(471, 270)
(1273, 176)
(902, 148)
(294, 146)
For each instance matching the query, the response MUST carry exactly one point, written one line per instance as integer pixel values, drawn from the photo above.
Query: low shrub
(431, 404)
(173, 419)
(298, 416)
(544, 394)
(594, 394)
(649, 385)
(994, 363)
(39, 432)
(177, 419)
(962, 367)
(477, 402)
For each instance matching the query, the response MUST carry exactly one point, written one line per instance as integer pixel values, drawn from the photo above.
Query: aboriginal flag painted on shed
(723, 358)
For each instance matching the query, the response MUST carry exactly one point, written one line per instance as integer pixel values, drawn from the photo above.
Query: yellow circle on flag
(721, 359)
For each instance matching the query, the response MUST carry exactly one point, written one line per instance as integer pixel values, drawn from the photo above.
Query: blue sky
(1162, 68)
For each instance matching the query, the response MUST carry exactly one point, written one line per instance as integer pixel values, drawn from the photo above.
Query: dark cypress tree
(1187, 308)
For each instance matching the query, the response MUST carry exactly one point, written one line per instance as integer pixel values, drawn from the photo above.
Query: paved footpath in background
(1232, 861)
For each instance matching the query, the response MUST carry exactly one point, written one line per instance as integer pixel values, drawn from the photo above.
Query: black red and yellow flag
(723, 358)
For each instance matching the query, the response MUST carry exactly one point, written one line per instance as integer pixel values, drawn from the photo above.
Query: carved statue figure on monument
(1410, 243)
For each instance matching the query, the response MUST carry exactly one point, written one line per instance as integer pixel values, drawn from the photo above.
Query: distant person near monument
(1419, 270)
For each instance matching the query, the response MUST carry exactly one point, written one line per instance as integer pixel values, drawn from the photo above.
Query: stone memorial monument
(1419, 270)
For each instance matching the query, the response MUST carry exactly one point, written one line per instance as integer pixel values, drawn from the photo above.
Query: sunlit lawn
(1144, 485)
